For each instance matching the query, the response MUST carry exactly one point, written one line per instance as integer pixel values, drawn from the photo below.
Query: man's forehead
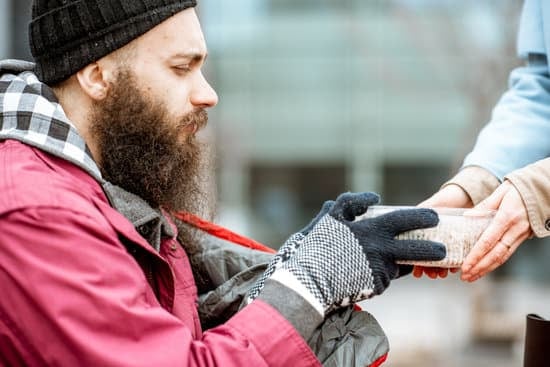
(179, 36)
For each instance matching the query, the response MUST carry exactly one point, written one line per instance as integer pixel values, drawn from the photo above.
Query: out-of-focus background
(318, 97)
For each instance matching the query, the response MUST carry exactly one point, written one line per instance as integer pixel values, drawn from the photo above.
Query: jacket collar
(150, 223)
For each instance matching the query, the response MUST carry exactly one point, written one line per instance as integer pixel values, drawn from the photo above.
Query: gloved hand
(287, 250)
(342, 261)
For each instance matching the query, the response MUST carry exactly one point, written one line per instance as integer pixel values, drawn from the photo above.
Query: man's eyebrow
(192, 56)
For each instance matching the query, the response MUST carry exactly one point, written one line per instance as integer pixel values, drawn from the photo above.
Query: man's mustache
(197, 119)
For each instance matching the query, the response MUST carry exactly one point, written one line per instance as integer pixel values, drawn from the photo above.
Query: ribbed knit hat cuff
(58, 64)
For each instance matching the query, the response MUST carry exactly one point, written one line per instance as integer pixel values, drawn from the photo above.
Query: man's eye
(182, 69)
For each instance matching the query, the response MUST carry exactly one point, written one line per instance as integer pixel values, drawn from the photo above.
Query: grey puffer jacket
(224, 272)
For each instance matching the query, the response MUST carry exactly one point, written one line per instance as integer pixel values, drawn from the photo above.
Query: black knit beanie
(67, 35)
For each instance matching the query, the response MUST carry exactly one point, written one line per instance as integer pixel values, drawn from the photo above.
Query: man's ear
(93, 81)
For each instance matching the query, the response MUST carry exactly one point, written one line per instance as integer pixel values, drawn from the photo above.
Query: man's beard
(146, 153)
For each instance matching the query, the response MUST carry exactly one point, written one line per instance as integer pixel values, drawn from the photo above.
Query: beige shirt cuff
(477, 182)
(533, 185)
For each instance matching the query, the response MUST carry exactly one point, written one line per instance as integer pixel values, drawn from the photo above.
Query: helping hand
(509, 228)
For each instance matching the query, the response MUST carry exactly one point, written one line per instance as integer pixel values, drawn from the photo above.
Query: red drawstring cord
(221, 232)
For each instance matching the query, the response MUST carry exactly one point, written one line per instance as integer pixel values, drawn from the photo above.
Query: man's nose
(203, 95)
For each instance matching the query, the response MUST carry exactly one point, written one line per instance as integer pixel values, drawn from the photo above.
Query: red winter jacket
(72, 295)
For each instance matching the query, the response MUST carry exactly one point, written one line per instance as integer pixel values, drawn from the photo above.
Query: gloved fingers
(350, 205)
(406, 220)
(327, 205)
(383, 278)
(404, 270)
(417, 250)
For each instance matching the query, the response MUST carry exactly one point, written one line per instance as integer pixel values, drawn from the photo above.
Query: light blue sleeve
(531, 39)
(519, 131)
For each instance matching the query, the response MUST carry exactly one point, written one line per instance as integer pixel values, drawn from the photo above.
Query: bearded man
(98, 149)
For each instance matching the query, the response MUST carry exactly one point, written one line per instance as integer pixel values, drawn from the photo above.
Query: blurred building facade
(318, 97)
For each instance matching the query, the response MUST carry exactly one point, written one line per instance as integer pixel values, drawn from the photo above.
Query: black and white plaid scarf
(30, 113)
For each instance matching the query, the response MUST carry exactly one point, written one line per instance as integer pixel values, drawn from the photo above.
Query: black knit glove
(287, 250)
(340, 261)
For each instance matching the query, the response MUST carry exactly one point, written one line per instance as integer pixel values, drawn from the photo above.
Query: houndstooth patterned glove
(342, 261)
(287, 250)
